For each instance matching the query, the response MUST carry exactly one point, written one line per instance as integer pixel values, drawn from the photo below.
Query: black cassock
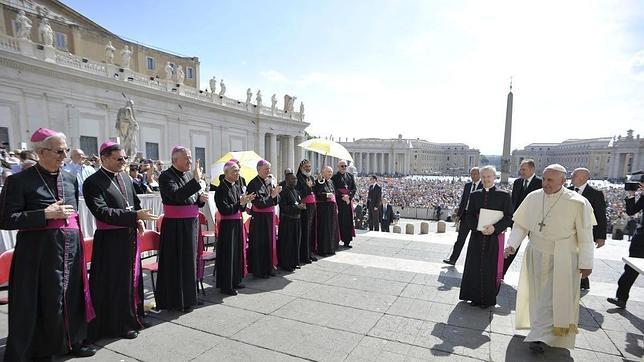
(481, 277)
(328, 236)
(307, 241)
(177, 280)
(290, 229)
(49, 302)
(231, 263)
(112, 200)
(262, 256)
(344, 185)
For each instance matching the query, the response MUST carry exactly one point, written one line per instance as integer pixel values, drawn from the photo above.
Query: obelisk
(505, 159)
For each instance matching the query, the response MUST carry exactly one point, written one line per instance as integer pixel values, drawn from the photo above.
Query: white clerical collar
(556, 194)
(581, 188)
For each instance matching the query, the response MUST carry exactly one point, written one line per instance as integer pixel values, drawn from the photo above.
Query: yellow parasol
(248, 165)
(327, 148)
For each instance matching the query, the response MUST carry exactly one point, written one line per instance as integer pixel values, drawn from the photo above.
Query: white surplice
(548, 292)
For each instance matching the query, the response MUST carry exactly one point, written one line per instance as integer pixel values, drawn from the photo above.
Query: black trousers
(629, 276)
(374, 216)
(463, 231)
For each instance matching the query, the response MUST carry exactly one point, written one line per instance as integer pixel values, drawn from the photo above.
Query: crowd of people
(292, 223)
(106, 301)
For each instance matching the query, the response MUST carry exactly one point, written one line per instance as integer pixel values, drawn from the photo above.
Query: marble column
(272, 154)
(290, 155)
(299, 152)
(261, 145)
(367, 163)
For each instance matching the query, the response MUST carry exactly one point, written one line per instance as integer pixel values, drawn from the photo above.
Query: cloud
(637, 65)
(273, 76)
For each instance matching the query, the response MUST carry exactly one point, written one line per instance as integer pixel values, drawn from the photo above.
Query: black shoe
(130, 334)
(308, 261)
(537, 347)
(447, 261)
(484, 306)
(83, 351)
(240, 286)
(297, 267)
(474, 304)
(585, 284)
(272, 273)
(314, 258)
(188, 309)
(229, 292)
(619, 303)
(348, 246)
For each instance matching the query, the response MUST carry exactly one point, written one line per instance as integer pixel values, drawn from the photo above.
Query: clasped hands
(346, 198)
(244, 199)
(488, 230)
(58, 210)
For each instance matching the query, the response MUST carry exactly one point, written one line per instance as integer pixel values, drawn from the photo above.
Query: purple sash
(137, 264)
(237, 216)
(270, 210)
(73, 222)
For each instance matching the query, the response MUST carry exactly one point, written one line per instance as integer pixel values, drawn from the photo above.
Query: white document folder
(488, 217)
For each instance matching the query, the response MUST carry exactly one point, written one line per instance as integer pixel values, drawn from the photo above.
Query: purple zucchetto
(42, 133)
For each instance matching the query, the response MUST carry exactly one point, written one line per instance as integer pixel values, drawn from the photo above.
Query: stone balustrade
(116, 73)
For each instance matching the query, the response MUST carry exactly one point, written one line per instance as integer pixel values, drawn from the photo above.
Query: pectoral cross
(541, 225)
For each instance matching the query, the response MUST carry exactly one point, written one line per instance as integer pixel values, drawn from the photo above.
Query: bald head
(327, 172)
(580, 176)
(77, 155)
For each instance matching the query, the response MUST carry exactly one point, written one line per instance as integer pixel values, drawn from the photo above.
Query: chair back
(5, 265)
(159, 222)
(203, 220)
(88, 248)
(150, 241)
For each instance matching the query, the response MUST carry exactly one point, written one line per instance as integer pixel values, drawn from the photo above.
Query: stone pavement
(388, 299)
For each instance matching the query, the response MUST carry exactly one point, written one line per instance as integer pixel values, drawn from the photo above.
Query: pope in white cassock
(561, 249)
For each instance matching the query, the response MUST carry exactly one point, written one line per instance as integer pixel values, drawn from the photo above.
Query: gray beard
(306, 173)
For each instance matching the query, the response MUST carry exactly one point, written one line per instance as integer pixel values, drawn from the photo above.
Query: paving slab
(359, 299)
(229, 350)
(368, 284)
(329, 315)
(164, 342)
(218, 319)
(300, 339)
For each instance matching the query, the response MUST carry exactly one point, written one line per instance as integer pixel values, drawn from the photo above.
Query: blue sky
(437, 70)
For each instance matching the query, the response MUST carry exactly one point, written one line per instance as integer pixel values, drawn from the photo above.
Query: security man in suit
(387, 215)
(463, 226)
(579, 180)
(521, 187)
(374, 199)
(636, 249)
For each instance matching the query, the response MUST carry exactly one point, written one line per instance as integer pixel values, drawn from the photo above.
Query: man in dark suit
(579, 180)
(521, 187)
(464, 226)
(374, 199)
(636, 249)
(387, 213)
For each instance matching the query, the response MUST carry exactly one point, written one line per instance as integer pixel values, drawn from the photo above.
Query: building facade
(58, 70)
(605, 157)
(403, 156)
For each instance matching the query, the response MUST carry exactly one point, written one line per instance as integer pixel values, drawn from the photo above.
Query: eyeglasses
(343, 166)
(123, 159)
(60, 152)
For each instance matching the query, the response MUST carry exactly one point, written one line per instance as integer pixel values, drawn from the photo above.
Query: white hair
(46, 143)
(489, 168)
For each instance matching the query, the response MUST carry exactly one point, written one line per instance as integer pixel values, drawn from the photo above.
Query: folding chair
(5, 268)
(150, 241)
(206, 256)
